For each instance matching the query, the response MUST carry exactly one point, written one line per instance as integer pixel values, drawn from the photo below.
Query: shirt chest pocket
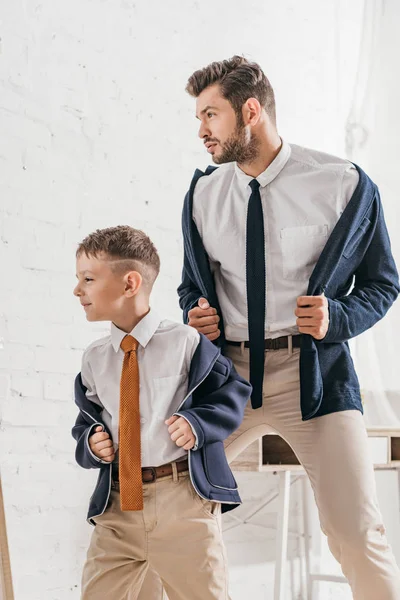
(167, 393)
(301, 248)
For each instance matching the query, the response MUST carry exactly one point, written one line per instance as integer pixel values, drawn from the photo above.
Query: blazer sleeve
(84, 426)
(81, 432)
(376, 287)
(218, 403)
(189, 294)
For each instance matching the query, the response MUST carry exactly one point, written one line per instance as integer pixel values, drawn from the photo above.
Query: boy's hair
(239, 80)
(126, 248)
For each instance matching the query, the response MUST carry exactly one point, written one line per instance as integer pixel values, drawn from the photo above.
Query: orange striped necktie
(130, 468)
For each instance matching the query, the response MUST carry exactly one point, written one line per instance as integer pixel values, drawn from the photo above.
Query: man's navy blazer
(214, 406)
(355, 271)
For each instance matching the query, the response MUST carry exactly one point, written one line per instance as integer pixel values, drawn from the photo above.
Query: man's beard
(238, 147)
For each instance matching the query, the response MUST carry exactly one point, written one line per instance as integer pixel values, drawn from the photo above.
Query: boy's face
(99, 289)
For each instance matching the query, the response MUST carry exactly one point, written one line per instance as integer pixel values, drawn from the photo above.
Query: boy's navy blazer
(355, 271)
(214, 405)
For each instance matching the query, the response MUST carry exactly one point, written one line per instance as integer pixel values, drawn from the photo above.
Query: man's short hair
(239, 80)
(126, 248)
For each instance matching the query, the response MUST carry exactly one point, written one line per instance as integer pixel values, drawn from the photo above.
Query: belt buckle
(153, 472)
(275, 344)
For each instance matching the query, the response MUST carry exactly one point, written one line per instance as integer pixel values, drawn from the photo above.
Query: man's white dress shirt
(303, 194)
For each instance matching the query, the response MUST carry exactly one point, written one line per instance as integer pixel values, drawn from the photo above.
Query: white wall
(96, 130)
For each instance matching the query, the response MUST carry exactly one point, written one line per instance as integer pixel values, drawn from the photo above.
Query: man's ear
(251, 111)
(133, 282)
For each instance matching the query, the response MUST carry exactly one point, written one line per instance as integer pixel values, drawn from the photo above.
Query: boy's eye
(88, 279)
(210, 114)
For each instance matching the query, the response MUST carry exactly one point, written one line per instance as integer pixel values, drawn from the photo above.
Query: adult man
(287, 257)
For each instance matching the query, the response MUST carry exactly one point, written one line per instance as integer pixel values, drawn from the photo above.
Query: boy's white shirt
(165, 353)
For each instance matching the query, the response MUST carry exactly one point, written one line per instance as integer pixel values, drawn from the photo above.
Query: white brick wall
(96, 130)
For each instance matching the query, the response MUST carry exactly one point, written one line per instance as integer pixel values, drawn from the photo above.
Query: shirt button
(142, 420)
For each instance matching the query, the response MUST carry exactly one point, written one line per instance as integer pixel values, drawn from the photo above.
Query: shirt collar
(271, 171)
(142, 332)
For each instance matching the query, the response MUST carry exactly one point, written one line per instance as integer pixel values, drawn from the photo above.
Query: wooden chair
(6, 588)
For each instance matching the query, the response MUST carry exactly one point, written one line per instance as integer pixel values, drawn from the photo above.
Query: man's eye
(210, 114)
(88, 279)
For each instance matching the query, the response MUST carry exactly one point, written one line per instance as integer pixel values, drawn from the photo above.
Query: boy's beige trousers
(178, 534)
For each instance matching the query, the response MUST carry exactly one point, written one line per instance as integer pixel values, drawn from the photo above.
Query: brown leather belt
(275, 344)
(151, 474)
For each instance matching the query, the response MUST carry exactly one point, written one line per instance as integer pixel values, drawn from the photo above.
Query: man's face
(99, 289)
(224, 134)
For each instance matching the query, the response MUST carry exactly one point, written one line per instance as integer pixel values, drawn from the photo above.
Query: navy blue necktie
(255, 286)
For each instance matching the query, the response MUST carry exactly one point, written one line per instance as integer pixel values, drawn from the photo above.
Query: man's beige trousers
(335, 454)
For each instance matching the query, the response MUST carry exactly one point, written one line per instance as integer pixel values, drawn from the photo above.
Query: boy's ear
(133, 281)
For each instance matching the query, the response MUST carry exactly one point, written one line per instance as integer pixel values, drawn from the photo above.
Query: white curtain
(372, 141)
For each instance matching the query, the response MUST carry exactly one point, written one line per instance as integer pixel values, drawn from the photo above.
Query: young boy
(156, 401)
